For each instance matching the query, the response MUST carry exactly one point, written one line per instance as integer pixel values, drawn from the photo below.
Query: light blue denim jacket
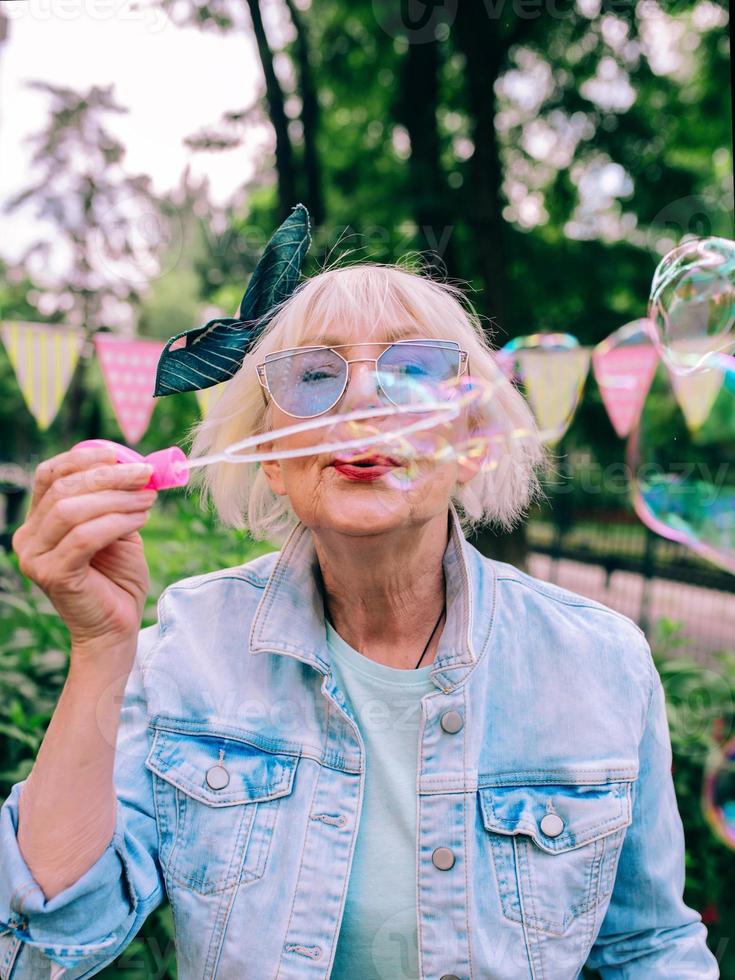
(547, 827)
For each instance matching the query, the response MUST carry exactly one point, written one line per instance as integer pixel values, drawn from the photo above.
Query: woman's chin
(363, 511)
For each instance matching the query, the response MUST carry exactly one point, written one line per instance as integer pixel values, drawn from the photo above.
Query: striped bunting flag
(43, 356)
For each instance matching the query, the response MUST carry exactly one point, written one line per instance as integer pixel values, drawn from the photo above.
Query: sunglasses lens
(306, 383)
(411, 372)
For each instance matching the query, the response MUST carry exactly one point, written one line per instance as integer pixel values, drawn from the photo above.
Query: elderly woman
(374, 753)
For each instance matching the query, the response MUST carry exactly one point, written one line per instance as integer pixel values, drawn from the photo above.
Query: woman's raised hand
(80, 543)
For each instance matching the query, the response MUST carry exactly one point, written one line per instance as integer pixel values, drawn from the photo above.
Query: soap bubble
(718, 793)
(682, 459)
(692, 303)
(440, 423)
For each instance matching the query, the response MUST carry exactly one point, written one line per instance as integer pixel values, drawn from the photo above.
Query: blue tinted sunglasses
(308, 381)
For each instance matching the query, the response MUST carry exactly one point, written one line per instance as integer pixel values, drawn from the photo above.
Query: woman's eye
(309, 377)
(414, 368)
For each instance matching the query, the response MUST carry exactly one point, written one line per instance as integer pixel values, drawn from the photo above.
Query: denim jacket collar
(290, 616)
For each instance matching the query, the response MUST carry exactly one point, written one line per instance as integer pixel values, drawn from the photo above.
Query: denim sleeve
(88, 924)
(648, 932)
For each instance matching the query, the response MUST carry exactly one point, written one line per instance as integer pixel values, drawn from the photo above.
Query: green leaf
(277, 273)
(214, 353)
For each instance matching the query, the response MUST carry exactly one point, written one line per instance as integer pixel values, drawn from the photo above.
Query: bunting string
(551, 374)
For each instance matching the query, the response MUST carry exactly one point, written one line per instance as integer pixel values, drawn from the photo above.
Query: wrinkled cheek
(300, 479)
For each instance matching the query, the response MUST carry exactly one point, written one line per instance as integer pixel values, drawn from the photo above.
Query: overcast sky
(172, 80)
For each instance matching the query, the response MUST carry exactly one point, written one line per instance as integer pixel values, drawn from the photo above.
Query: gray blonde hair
(379, 300)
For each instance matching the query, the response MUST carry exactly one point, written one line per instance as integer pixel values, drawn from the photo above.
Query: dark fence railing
(15, 483)
(638, 572)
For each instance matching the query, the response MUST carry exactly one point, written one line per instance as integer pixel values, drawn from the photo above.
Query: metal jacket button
(217, 777)
(443, 858)
(552, 825)
(452, 722)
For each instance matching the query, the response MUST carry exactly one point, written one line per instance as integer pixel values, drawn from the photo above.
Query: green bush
(700, 702)
(182, 540)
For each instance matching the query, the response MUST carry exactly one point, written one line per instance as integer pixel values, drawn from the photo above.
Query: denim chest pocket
(555, 848)
(216, 800)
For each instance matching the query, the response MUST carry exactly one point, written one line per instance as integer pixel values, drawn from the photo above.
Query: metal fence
(15, 482)
(613, 558)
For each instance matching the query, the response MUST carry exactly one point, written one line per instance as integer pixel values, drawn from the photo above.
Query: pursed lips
(365, 461)
(365, 470)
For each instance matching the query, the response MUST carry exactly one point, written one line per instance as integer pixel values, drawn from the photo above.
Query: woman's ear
(272, 470)
(466, 469)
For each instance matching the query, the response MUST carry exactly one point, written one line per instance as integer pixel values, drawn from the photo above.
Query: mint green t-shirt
(378, 938)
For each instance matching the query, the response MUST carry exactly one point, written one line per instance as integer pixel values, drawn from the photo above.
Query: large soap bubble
(692, 303)
(718, 793)
(682, 460)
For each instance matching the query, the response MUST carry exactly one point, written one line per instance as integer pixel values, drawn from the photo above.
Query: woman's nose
(362, 389)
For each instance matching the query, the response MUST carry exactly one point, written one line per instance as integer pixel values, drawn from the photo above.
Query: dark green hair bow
(214, 352)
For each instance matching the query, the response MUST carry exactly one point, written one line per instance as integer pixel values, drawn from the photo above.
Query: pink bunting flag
(624, 375)
(129, 370)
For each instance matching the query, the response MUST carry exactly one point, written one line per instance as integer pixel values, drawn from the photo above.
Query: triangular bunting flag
(696, 394)
(43, 356)
(624, 365)
(129, 370)
(553, 380)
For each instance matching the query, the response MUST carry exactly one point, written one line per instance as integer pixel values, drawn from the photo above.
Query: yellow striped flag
(695, 378)
(43, 356)
(553, 380)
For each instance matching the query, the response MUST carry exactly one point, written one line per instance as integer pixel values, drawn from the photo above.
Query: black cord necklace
(444, 607)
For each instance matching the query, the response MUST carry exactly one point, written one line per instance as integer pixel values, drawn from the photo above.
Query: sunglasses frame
(424, 341)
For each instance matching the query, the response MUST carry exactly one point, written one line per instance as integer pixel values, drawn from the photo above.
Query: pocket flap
(586, 812)
(184, 758)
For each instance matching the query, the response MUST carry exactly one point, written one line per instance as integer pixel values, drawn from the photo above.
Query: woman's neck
(384, 593)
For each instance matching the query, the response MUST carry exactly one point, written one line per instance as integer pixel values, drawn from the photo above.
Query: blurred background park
(544, 154)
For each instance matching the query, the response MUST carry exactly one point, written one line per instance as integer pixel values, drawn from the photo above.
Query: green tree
(99, 219)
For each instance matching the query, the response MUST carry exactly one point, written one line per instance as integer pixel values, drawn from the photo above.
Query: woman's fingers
(83, 505)
(82, 543)
(119, 476)
(67, 512)
(64, 463)
(71, 489)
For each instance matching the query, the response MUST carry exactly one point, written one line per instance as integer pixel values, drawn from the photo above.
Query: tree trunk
(416, 110)
(287, 195)
(475, 35)
(309, 118)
